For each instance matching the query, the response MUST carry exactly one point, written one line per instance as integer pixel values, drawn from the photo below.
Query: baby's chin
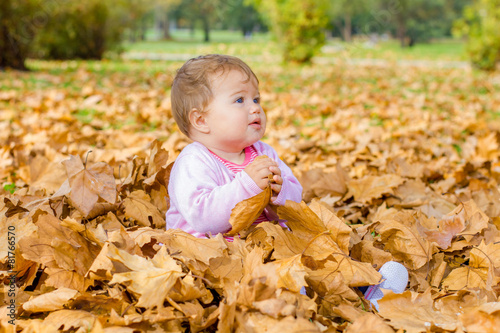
(259, 137)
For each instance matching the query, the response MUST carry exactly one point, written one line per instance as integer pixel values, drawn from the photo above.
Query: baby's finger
(277, 179)
(275, 170)
(276, 188)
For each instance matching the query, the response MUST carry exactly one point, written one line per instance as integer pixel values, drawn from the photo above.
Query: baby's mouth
(255, 122)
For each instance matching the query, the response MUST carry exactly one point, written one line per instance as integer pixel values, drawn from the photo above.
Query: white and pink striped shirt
(203, 191)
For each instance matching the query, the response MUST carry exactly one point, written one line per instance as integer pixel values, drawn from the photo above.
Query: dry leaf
(405, 243)
(414, 312)
(88, 184)
(369, 323)
(340, 231)
(247, 211)
(139, 208)
(412, 175)
(151, 279)
(51, 301)
(371, 187)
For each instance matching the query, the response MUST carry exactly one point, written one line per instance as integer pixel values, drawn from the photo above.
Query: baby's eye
(239, 100)
(256, 100)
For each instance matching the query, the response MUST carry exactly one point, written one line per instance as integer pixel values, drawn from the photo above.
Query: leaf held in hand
(247, 211)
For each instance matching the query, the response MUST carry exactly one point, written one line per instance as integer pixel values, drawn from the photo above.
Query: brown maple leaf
(88, 184)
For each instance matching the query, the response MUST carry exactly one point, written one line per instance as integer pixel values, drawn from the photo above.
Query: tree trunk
(192, 29)
(144, 28)
(13, 47)
(206, 29)
(166, 27)
(401, 31)
(347, 28)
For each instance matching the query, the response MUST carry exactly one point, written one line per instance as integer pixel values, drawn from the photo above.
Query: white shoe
(395, 278)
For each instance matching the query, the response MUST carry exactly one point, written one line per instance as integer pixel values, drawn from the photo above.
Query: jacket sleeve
(201, 196)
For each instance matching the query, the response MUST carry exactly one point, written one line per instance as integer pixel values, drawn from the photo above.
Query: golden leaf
(257, 322)
(60, 278)
(449, 226)
(340, 231)
(291, 273)
(483, 318)
(476, 219)
(67, 319)
(50, 301)
(275, 307)
(88, 184)
(369, 323)
(301, 219)
(247, 211)
(150, 279)
(191, 248)
(138, 207)
(157, 159)
(467, 277)
(405, 243)
(414, 312)
(372, 187)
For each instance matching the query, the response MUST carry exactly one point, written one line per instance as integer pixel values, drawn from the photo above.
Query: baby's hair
(191, 88)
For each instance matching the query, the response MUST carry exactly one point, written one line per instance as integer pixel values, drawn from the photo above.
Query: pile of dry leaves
(395, 165)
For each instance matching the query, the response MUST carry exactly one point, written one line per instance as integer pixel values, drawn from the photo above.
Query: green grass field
(222, 41)
(232, 42)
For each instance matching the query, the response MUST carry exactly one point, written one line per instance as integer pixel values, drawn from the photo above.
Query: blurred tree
(420, 20)
(81, 30)
(19, 22)
(163, 9)
(298, 25)
(208, 12)
(137, 13)
(481, 24)
(344, 11)
(240, 14)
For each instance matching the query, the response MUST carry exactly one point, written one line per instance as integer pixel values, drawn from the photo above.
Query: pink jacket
(203, 191)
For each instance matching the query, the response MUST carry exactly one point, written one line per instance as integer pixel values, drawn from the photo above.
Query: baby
(216, 103)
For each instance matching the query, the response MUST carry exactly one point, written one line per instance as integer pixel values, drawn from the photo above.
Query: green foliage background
(79, 30)
(71, 29)
(481, 23)
(297, 25)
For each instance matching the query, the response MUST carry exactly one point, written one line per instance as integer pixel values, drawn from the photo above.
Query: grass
(232, 42)
(221, 41)
(445, 50)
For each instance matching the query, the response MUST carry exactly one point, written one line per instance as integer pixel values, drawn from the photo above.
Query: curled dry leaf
(448, 227)
(247, 211)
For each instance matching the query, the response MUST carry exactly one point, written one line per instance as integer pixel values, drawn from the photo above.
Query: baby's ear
(198, 121)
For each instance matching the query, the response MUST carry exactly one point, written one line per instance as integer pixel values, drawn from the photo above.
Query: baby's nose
(255, 108)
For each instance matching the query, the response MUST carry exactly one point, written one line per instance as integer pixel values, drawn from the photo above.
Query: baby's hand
(277, 182)
(260, 169)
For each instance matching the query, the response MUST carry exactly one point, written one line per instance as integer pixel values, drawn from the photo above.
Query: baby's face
(235, 116)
